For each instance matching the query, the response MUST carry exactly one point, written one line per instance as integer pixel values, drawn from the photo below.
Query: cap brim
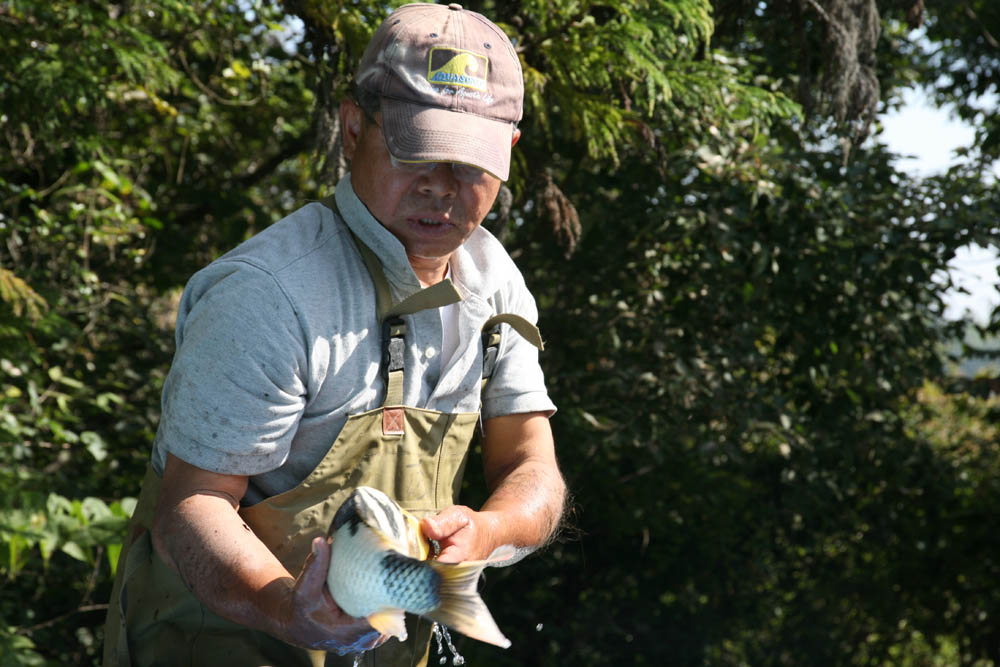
(417, 133)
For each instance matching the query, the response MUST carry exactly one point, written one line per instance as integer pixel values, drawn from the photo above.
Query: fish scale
(410, 583)
(380, 568)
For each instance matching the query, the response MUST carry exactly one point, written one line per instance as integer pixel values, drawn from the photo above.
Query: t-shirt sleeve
(235, 391)
(518, 384)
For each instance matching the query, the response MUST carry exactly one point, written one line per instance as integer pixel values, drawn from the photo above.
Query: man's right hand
(314, 619)
(199, 534)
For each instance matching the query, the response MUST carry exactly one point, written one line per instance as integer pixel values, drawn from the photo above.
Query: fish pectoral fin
(389, 622)
(417, 545)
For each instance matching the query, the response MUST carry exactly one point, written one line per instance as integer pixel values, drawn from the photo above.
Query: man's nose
(440, 182)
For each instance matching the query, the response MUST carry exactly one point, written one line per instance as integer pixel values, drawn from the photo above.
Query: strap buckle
(393, 343)
(491, 348)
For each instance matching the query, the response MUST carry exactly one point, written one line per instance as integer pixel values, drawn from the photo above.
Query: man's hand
(462, 533)
(526, 494)
(198, 533)
(313, 619)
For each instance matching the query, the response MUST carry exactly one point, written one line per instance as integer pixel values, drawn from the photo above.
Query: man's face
(432, 213)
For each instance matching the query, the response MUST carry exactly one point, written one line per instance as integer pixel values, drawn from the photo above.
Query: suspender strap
(444, 293)
(383, 297)
(437, 295)
(393, 353)
(528, 331)
(390, 315)
(491, 339)
(491, 349)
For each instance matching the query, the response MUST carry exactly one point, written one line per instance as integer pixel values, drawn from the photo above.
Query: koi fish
(379, 568)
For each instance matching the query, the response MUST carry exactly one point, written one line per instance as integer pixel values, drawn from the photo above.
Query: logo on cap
(454, 67)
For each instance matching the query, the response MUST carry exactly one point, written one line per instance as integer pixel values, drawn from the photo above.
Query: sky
(929, 135)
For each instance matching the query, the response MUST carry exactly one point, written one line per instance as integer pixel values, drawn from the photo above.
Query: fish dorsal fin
(379, 541)
(391, 522)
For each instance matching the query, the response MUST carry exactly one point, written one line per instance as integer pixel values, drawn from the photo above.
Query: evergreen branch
(208, 91)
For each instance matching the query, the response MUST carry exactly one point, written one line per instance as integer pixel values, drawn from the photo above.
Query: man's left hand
(526, 499)
(462, 533)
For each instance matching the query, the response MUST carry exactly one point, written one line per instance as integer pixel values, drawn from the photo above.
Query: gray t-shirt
(278, 343)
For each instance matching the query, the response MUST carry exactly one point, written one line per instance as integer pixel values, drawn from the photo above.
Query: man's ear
(350, 126)
(514, 137)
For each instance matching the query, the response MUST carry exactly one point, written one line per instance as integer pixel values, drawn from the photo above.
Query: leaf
(20, 295)
(606, 425)
(113, 553)
(95, 445)
(74, 550)
(124, 507)
(17, 650)
(95, 509)
(240, 70)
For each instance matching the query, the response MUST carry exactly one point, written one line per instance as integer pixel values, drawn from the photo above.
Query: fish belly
(355, 577)
(365, 577)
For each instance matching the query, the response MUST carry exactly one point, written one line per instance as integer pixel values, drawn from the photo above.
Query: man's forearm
(222, 562)
(527, 492)
(528, 503)
(198, 533)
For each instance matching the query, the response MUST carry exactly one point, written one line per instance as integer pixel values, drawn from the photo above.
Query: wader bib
(415, 456)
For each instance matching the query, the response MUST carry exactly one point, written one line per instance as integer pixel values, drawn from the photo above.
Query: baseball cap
(450, 85)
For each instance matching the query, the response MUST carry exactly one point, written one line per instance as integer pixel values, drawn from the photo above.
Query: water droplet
(442, 637)
(538, 628)
(436, 630)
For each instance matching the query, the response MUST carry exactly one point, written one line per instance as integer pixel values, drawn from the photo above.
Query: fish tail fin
(461, 607)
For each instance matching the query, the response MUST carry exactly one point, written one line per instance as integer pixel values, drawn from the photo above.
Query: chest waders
(416, 456)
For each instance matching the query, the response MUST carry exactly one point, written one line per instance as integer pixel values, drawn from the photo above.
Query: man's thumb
(445, 524)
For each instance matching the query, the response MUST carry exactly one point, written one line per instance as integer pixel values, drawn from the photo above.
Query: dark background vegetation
(771, 462)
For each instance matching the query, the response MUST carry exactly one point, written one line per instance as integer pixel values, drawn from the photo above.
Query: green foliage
(971, 31)
(125, 128)
(737, 370)
(76, 528)
(593, 59)
(743, 318)
(17, 650)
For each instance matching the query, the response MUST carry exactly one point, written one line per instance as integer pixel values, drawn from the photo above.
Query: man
(356, 322)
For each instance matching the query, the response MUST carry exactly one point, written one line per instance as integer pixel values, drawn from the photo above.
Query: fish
(381, 567)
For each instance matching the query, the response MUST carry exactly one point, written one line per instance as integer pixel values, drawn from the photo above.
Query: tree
(137, 139)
